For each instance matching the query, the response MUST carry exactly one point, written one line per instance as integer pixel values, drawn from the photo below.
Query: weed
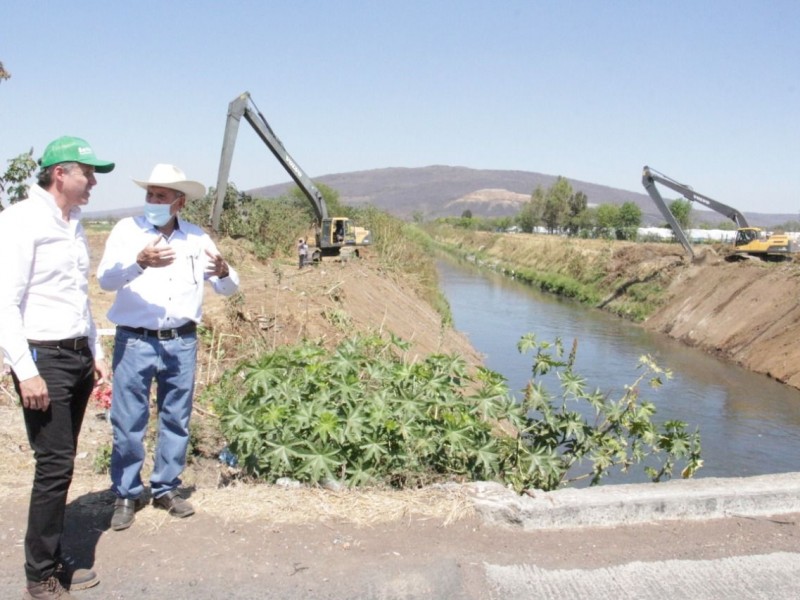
(362, 414)
(102, 459)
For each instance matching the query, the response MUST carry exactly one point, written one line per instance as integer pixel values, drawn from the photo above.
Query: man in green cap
(48, 338)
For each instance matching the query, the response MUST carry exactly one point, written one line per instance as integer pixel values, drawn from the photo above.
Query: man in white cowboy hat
(157, 264)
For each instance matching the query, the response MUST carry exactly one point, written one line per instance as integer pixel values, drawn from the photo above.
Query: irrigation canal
(749, 424)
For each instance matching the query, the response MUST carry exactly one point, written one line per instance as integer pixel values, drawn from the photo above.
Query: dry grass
(212, 491)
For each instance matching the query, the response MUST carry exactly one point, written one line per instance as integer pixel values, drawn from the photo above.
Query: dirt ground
(747, 312)
(257, 541)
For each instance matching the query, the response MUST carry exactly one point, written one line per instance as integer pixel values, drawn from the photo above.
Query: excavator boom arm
(688, 193)
(243, 106)
(648, 181)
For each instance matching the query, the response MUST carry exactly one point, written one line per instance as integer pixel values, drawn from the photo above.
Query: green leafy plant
(363, 414)
(13, 183)
(102, 459)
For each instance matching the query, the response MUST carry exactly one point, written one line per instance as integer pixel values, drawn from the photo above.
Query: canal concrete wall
(628, 504)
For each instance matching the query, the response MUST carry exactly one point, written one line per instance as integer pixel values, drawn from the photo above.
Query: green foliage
(362, 414)
(556, 283)
(577, 213)
(607, 218)
(102, 459)
(271, 225)
(530, 215)
(682, 211)
(13, 182)
(556, 205)
(629, 218)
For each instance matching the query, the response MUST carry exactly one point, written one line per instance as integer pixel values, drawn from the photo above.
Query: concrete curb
(611, 505)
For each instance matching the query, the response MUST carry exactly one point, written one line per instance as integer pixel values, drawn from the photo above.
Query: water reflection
(749, 424)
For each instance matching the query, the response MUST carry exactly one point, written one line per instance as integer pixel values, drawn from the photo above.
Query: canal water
(749, 424)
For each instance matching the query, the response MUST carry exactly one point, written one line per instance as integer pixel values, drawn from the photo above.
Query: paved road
(770, 576)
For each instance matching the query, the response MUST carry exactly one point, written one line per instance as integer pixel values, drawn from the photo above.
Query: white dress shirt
(159, 297)
(45, 289)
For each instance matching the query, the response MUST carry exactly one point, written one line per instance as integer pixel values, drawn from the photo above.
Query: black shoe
(125, 512)
(49, 589)
(177, 506)
(74, 578)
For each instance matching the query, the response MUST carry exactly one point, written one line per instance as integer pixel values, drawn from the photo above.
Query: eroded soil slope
(281, 304)
(747, 312)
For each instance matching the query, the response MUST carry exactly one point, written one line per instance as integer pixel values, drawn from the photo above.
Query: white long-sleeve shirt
(159, 297)
(45, 289)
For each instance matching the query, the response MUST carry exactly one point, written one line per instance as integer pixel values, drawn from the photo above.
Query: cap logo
(83, 151)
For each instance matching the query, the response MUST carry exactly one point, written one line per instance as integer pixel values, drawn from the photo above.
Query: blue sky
(707, 92)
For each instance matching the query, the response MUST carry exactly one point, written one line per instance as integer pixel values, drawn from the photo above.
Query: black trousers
(53, 436)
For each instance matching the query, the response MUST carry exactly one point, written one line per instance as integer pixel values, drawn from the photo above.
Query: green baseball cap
(73, 149)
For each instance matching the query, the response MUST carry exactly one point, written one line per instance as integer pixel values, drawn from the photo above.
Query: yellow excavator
(749, 242)
(334, 235)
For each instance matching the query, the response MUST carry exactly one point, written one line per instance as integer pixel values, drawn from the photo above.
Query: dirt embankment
(280, 304)
(746, 312)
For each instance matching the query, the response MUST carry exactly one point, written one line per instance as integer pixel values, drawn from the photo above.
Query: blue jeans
(138, 360)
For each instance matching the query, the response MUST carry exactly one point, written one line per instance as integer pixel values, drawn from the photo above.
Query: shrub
(362, 414)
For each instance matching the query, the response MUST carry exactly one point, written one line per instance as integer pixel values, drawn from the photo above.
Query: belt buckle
(165, 334)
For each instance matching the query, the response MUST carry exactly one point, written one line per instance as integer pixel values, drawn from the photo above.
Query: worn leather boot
(125, 512)
(175, 504)
(73, 578)
(49, 589)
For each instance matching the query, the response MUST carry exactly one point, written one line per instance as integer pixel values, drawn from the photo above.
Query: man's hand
(34, 393)
(102, 373)
(216, 265)
(151, 256)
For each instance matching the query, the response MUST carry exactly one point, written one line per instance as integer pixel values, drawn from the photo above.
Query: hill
(445, 191)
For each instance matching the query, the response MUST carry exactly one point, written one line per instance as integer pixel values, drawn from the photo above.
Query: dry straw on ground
(214, 492)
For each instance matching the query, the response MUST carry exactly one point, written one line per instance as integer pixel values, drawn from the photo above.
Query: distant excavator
(334, 235)
(749, 242)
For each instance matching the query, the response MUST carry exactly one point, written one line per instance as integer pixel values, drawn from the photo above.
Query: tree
(13, 182)
(467, 214)
(682, 211)
(629, 217)
(576, 212)
(531, 213)
(607, 217)
(556, 205)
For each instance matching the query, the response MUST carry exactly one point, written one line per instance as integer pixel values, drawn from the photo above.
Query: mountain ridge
(448, 191)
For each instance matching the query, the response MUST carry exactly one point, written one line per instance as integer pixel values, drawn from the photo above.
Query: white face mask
(158, 214)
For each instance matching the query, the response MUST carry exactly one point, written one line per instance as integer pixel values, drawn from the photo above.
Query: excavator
(749, 242)
(335, 236)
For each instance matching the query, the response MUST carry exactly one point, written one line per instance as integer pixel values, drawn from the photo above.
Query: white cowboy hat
(170, 176)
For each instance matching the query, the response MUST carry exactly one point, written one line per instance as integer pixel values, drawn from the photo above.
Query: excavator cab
(746, 235)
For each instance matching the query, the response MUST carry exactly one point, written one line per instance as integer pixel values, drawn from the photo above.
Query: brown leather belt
(162, 334)
(75, 344)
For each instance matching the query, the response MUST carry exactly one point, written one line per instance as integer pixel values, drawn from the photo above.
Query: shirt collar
(47, 199)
